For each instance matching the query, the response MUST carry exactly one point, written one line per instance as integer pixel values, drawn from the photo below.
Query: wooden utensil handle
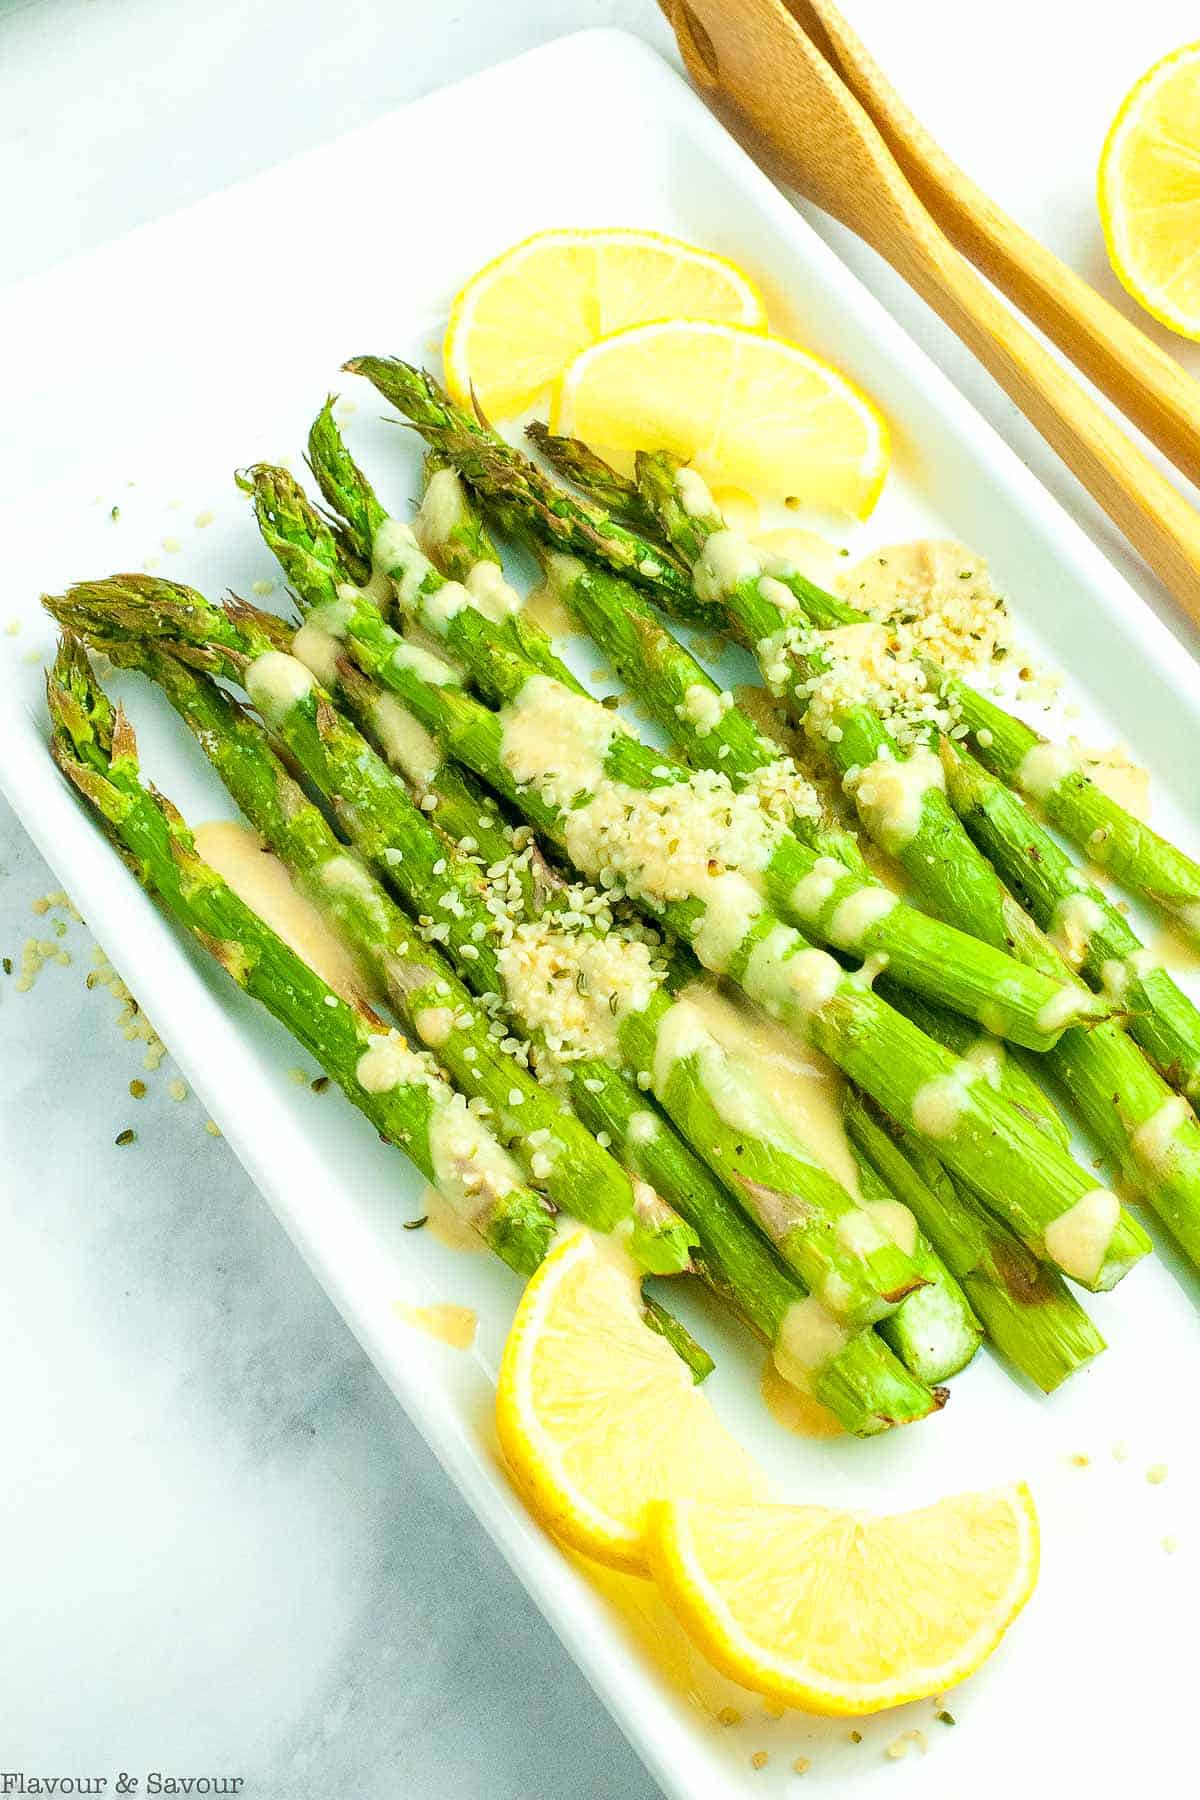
(813, 132)
(1153, 515)
(1140, 377)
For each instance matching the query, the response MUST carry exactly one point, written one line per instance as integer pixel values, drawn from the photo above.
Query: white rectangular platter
(139, 377)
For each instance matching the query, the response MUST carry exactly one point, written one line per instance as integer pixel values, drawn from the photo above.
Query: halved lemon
(597, 1415)
(521, 319)
(754, 411)
(838, 1613)
(1149, 191)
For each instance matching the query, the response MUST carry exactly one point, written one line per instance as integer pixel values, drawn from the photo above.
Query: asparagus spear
(1011, 1072)
(576, 525)
(1092, 933)
(1150, 1134)
(399, 1090)
(315, 562)
(936, 1326)
(1048, 1200)
(597, 480)
(466, 621)
(865, 1276)
(1139, 858)
(833, 903)
(861, 1382)
(548, 1140)
(1027, 1310)
(450, 530)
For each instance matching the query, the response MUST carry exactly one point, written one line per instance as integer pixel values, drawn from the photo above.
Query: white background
(222, 1548)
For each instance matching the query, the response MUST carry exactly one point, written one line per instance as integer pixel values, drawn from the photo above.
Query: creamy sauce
(739, 509)
(705, 707)
(444, 1224)
(319, 652)
(1078, 1239)
(1061, 1008)
(856, 915)
(890, 794)
(812, 890)
(726, 561)
(544, 606)
(453, 1325)
(895, 1221)
(1153, 1143)
(806, 552)
(258, 878)
(406, 745)
(809, 1339)
(938, 593)
(797, 1411)
(1076, 917)
(494, 597)
(441, 510)
(731, 905)
(556, 741)
(695, 496)
(1116, 774)
(805, 1088)
(790, 986)
(1043, 767)
(1170, 949)
(938, 1104)
(275, 682)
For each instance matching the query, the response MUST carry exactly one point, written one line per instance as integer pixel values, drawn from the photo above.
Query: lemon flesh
(1149, 191)
(523, 317)
(596, 1414)
(839, 1613)
(758, 412)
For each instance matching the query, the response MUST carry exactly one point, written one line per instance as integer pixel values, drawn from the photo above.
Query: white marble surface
(222, 1548)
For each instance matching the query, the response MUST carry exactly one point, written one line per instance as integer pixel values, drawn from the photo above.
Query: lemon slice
(838, 1613)
(597, 1415)
(1149, 191)
(755, 411)
(524, 316)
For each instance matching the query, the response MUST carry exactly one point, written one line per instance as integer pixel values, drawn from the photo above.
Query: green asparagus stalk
(1028, 1312)
(555, 1150)
(315, 563)
(467, 622)
(835, 904)
(574, 524)
(1048, 1200)
(1141, 859)
(862, 1383)
(1109, 835)
(1092, 933)
(399, 1090)
(451, 532)
(596, 480)
(1011, 1072)
(934, 1333)
(1151, 1135)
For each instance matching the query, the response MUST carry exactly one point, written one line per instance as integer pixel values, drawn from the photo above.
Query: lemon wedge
(521, 319)
(742, 408)
(1149, 191)
(597, 1415)
(838, 1613)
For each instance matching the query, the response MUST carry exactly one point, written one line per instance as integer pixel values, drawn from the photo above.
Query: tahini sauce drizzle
(805, 1087)
(260, 879)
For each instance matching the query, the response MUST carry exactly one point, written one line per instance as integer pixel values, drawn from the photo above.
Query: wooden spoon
(1145, 382)
(809, 126)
